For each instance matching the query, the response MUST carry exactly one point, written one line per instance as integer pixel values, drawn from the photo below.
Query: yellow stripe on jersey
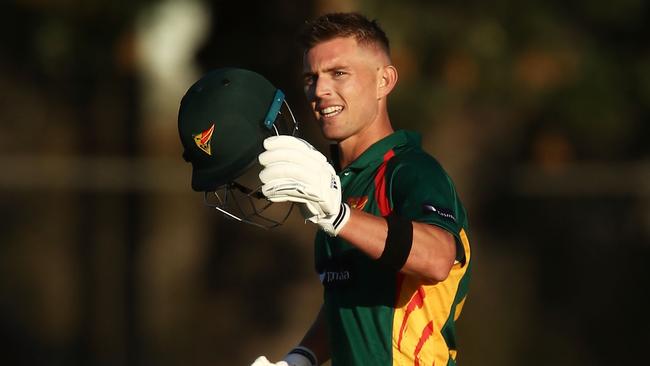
(421, 312)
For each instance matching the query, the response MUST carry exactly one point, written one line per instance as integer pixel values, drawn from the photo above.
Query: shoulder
(420, 189)
(415, 178)
(417, 164)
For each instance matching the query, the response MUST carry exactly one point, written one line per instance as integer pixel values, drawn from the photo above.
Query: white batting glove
(299, 356)
(263, 361)
(295, 171)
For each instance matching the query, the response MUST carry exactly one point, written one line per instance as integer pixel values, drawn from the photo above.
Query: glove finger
(306, 158)
(303, 174)
(284, 198)
(309, 210)
(288, 188)
(284, 141)
(261, 361)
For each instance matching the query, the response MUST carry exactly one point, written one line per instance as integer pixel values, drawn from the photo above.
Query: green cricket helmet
(223, 120)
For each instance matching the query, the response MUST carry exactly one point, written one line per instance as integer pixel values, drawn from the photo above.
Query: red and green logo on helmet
(202, 140)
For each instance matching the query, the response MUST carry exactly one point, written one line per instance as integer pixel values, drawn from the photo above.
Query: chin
(331, 133)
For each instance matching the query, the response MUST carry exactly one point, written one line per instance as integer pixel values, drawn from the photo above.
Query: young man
(393, 253)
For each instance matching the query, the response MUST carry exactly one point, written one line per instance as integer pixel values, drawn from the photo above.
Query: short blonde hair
(328, 26)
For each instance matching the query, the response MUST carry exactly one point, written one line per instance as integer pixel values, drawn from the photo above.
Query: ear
(387, 80)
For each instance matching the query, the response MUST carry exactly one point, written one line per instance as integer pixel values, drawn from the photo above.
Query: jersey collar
(374, 155)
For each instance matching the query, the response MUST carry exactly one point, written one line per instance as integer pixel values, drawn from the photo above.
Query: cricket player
(392, 251)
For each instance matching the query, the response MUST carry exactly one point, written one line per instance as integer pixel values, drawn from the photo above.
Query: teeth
(329, 111)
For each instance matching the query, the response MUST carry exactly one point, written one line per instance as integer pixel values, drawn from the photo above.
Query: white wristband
(332, 225)
(342, 218)
(301, 356)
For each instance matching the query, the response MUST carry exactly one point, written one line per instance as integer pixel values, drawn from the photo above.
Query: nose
(321, 87)
(316, 88)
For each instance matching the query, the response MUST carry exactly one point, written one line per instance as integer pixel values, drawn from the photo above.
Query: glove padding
(263, 361)
(295, 171)
(299, 356)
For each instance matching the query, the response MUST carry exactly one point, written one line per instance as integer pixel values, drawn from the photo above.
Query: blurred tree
(72, 91)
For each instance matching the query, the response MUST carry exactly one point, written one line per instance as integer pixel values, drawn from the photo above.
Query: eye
(338, 73)
(309, 80)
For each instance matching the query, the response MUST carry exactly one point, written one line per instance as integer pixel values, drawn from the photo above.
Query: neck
(352, 147)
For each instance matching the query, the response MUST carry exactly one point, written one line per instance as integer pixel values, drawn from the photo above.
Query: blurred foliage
(572, 66)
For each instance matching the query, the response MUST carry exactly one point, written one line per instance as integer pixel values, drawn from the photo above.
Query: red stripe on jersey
(380, 185)
(426, 333)
(416, 303)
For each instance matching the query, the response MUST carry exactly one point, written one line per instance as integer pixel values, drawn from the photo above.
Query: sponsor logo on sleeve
(442, 212)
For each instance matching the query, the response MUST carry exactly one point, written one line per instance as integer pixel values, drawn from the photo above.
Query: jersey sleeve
(420, 190)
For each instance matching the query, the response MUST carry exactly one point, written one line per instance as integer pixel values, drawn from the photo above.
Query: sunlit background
(538, 109)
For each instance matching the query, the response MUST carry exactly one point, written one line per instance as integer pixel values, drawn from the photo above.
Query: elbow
(434, 254)
(439, 270)
(431, 271)
(442, 260)
(437, 267)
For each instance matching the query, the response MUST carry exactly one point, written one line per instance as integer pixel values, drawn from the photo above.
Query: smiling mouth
(330, 111)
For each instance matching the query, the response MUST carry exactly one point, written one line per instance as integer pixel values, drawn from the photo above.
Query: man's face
(341, 81)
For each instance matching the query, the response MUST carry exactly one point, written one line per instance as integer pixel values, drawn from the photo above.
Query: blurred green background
(539, 110)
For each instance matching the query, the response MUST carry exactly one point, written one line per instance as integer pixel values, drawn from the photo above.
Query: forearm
(432, 252)
(316, 338)
(313, 349)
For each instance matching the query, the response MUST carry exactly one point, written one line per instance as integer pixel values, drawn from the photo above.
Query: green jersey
(377, 316)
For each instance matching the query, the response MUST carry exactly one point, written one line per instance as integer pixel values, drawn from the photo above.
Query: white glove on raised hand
(263, 361)
(294, 171)
(299, 356)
